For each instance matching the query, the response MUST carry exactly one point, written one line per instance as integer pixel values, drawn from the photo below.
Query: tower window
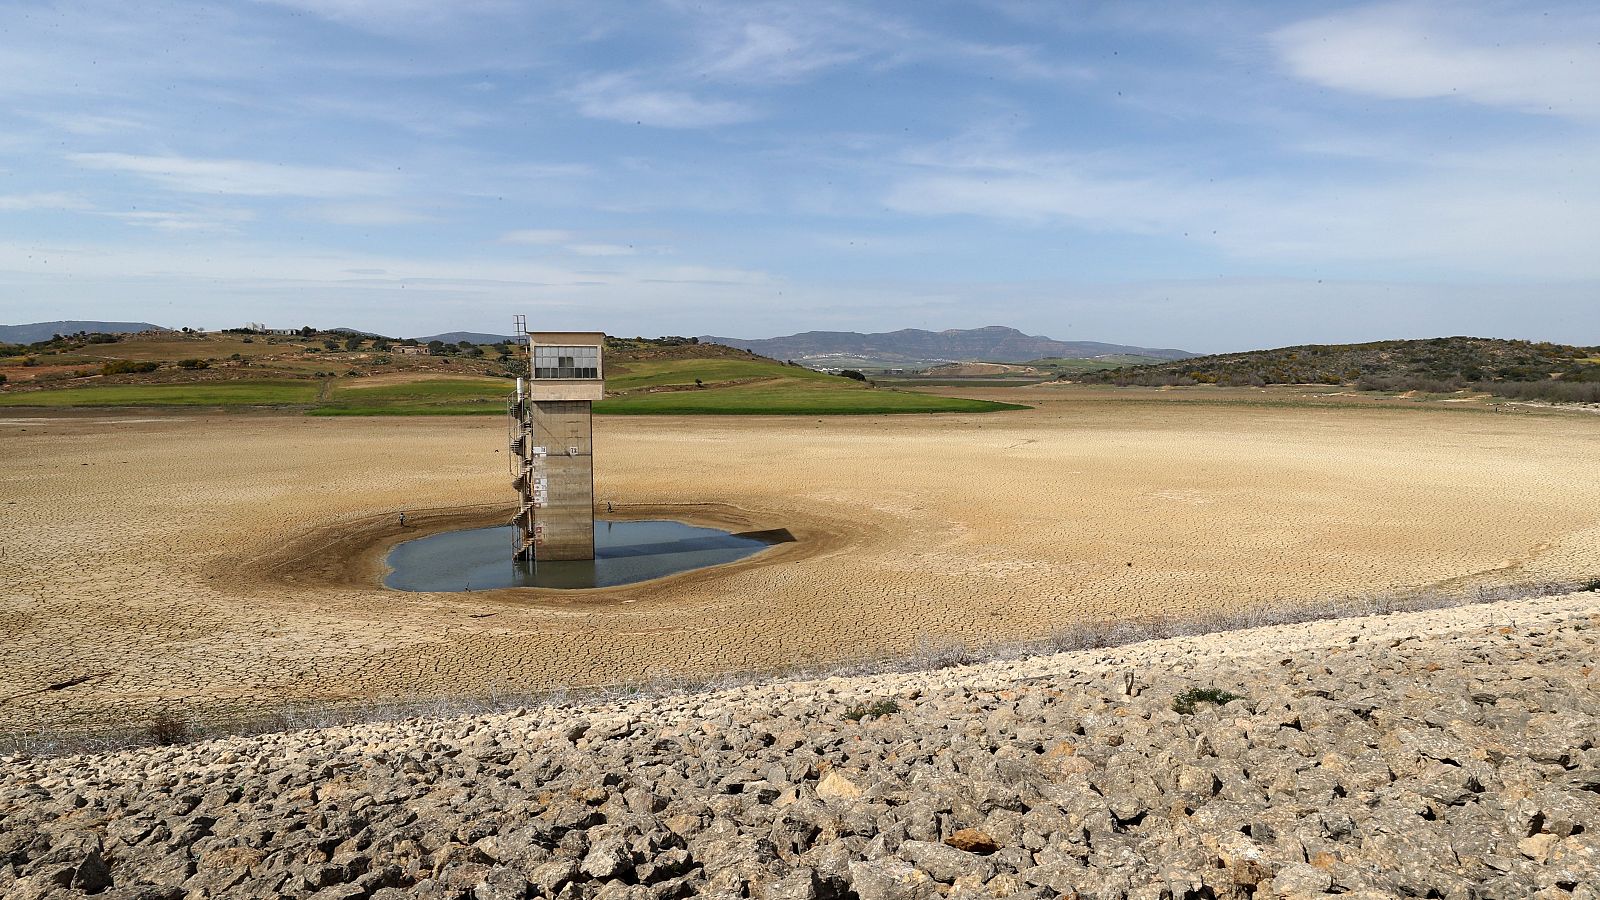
(566, 362)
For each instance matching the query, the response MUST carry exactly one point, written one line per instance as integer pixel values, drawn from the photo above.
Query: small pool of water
(479, 559)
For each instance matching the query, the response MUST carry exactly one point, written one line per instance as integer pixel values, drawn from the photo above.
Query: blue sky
(1209, 176)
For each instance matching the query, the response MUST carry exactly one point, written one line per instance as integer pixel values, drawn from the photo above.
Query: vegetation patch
(1530, 369)
(1186, 702)
(439, 396)
(875, 709)
(201, 393)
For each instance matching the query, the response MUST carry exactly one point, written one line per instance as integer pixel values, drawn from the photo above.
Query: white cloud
(368, 214)
(42, 201)
(601, 249)
(1500, 213)
(536, 236)
(619, 98)
(184, 221)
(402, 17)
(1417, 51)
(566, 240)
(242, 177)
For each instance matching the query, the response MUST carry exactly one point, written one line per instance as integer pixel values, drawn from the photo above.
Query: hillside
(914, 347)
(43, 331)
(1436, 364)
(1437, 754)
(471, 337)
(329, 373)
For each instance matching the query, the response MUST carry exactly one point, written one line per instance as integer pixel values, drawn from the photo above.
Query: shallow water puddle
(625, 552)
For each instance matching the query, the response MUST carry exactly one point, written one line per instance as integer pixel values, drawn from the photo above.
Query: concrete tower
(552, 443)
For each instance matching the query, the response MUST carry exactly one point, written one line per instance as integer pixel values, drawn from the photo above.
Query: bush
(128, 367)
(1185, 702)
(2, 378)
(875, 708)
(167, 729)
(1550, 390)
(193, 364)
(30, 361)
(853, 375)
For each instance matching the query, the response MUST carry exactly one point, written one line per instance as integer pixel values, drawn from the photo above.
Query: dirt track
(147, 553)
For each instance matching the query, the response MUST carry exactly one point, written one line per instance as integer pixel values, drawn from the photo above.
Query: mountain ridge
(916, 346)
(33, 332)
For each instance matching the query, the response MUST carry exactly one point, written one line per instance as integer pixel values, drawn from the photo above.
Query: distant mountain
(472, 337)
(1445, 361)
(44, 331)
(916, 347)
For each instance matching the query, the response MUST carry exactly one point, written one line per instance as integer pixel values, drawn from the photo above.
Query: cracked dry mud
(1450, 754)
(224, 564)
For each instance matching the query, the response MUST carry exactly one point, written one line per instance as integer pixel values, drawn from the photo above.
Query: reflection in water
(480, 558)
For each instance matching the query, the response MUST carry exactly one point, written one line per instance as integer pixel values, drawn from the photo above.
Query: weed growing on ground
(516, 701)
(875, 708)
(1185, 702)
(166, 730)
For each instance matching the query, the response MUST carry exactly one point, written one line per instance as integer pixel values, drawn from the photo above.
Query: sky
(1214, 177)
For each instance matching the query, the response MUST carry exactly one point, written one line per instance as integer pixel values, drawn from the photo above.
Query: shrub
(30, 361)
(853, 375)
(128, 367)
(1185, 702)
(193, 364)
(875, 708)
(167, 729)
(2, 378)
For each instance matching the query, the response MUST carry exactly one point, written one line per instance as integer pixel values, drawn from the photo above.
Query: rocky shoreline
(1448, 753)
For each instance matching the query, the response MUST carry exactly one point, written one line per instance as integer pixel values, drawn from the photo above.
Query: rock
(945, 863)
(890, 879)
(971, 840)
(1538, 846)
(608, 858)
(834, 786)
(1300, 879)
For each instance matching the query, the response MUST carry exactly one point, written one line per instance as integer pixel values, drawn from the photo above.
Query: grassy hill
(342, 374)
(1505, 367)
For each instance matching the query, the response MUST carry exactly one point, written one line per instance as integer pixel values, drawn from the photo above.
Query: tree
(436, 346)
(307, 331)
(330, 345)
(353, 342)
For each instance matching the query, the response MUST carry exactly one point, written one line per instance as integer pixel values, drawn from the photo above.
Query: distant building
(260, 328)
(406, 350)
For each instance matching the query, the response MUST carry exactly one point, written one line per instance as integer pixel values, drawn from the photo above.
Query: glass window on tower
(566, 362)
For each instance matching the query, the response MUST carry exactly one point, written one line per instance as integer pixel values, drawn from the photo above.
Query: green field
(1066, 365)
(710, 371)
(432, 397)
(790, 398)
(205, 393)
(729, 387)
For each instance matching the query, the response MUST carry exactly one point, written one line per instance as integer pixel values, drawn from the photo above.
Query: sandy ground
(228, 563)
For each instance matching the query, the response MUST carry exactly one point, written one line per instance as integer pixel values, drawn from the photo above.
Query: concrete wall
(565, 429)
